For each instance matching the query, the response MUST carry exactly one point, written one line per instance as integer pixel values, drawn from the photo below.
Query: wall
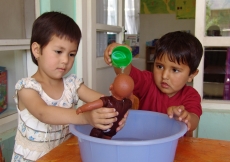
(63, 7)
(214, 124)
(153, 26)
(7, 143)
(57, 5)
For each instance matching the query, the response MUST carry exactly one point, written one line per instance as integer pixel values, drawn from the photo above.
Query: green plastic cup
(121, 57)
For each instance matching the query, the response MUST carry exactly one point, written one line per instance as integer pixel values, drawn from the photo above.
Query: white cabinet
(16, 17)
(14, 61)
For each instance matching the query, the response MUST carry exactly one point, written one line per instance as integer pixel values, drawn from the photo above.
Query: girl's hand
(179, 113)
(101, 118)
(122, 122)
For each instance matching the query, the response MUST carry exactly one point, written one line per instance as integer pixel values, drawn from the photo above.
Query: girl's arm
(31, 100)
(90, 106)
(83, 93)
(88, 95)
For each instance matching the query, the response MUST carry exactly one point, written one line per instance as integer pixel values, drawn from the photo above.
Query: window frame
(207, 41)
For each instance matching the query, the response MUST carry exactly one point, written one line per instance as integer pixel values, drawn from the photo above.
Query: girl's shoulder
(73, 80)
(28, 83)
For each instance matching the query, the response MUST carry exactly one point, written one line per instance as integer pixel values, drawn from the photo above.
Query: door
(101, 22)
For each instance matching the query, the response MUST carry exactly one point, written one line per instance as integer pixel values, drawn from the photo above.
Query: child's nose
(65, 59)
(165, 74)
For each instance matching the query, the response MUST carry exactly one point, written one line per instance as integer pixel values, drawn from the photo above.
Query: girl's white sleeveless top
(35, 138)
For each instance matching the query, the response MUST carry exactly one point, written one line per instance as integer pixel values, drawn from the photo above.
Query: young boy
(176, 59)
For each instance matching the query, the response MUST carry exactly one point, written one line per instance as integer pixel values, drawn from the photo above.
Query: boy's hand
(101, 118)
(179, 113)
(108, 52)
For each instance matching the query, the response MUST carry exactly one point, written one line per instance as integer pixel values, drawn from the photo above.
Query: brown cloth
(122, 106)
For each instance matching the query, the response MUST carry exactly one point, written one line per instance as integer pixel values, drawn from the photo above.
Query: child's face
(171, 77)
(57, 57)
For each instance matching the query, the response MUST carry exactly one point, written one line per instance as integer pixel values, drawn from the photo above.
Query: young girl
(46, 100)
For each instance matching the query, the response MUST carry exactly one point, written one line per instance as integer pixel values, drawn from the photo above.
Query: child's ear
(111, 87)
(191, 76)
(35, 47)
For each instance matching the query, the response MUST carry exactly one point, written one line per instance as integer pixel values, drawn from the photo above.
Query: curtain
(132, 20)
(227, 77)
(112, 12)
(106, 14)
(102, 11)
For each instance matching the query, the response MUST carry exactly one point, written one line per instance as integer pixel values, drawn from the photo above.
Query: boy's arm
(194, 121)
(107, 58)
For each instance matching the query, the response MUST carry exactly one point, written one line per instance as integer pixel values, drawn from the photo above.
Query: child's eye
(175, 70)
(58, 52)
(159, 66)
(72, 54)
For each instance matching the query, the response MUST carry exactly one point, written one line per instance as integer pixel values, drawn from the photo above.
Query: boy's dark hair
(50, 24)
(180, 47)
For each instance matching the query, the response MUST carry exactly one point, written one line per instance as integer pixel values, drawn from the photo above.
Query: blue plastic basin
(146, 137)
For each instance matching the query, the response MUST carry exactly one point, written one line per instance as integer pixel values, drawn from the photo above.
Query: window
(216, 78)
(215, 73)
(107, 14)
(132, 22)
(217, 18)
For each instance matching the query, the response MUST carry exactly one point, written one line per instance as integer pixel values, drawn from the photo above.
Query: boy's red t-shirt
(152, 99)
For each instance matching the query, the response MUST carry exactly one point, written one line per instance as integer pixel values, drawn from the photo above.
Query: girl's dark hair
(50, 24)
(180, 47)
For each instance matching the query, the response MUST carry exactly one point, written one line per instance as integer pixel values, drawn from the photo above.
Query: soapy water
(122, 69)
